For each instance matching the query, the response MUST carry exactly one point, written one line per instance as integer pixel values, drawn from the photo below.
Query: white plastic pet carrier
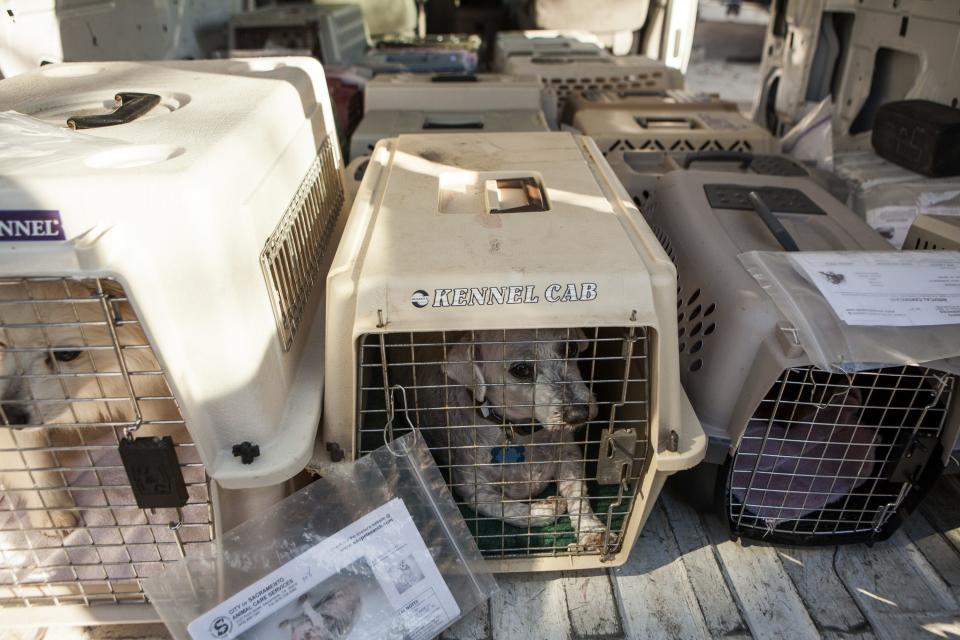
(567, 75)
(453, 92)
(377, 125)
(527, 44)
(333, 33)
(934, 232)
(796, 454)
(160, 271)
(500, 293)
(673, 128)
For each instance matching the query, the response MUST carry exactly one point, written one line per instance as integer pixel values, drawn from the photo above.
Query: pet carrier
(639, 171)
(499, 293)
(672, 127)
(796, 454)
(435, 53)
(890, 197)
(453, 92)
(157, 311)
(528, 44)
(377, 125)
(673, 99)
(567, 75)
(332, 33)
(934, 232)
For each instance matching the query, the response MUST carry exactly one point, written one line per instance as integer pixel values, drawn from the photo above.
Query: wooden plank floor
(686, 579)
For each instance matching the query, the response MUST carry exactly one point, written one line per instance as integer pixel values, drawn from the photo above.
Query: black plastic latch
(246, 451)
(914, 459)
(154, 472)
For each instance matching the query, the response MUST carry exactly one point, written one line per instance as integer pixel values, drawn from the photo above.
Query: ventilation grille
(432, 374)
(832, 456)
(292, 255)
(76, 372)
(565, 87)
(655, 144)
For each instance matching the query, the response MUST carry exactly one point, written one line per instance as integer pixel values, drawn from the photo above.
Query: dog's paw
(552, 506)
(595, 539)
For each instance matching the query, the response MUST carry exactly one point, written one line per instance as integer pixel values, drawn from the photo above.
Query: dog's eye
(522, 371)
(66, 356)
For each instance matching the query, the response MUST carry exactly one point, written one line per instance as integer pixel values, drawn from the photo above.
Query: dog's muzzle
(575, 414)
(16, 415)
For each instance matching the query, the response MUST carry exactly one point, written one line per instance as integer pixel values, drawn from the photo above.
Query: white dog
(502, 409)
(62, 386)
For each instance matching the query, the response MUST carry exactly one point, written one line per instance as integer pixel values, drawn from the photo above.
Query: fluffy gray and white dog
(502, 410)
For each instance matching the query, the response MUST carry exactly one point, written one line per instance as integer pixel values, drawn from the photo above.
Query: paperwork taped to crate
(375, 549)
(894, 316)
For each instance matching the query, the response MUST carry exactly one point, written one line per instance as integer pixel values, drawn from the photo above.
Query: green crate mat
(495, 536)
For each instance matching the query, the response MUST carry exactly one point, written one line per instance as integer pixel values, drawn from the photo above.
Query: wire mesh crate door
(515, 420)
(820, 455)
(77, 374)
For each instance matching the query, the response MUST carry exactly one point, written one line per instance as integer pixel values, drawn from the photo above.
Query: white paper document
(376, 574)
(888, 289)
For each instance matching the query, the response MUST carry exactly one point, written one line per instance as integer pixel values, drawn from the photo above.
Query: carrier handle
(742, 157)
(776, 228)
(454, 77)
(130, 106)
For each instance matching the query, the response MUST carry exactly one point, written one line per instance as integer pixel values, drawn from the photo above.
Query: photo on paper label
(404, 573)
(347, 606)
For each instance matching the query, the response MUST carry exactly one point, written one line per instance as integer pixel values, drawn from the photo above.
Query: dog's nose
(15, 415)
(575, 414)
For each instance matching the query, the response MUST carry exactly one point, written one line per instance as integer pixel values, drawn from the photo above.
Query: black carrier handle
(130, 106)
(743, 157)
(453, 77)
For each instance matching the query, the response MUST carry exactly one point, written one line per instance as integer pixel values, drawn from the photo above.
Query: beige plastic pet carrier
(377, 125)
(673, 128)
(567, 75)
(934, 232)
(499, 293)
(796, 454)
(538, 42)
(452, 92)
(160, 271)
(673, 99)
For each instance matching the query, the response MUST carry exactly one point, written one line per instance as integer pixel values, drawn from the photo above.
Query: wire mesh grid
(542, 435)
(292, 254)
(76, 375)
(824, 454)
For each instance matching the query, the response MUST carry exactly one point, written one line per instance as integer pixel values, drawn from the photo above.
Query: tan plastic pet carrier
(673, 99)
(160, 349)
(934, 232)
(640, 171)
(452, 92)
(567, 75)
(499, 293)
(673, 128)
(377, 125)
(796, 454)
(528, 44)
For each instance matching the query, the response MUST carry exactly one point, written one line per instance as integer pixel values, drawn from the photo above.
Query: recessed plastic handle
(130, 106)
(742, 157)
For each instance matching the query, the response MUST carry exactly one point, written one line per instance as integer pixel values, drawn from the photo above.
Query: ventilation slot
(292, 255)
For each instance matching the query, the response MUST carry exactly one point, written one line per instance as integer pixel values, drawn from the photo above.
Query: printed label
(376, 576)
(515, 294)
(30, 226)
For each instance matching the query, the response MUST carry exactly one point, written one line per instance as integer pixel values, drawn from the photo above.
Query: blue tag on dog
(506, 454)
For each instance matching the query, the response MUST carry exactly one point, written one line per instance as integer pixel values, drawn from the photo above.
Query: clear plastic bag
(27, 142)
(833, 345)
(375, 549)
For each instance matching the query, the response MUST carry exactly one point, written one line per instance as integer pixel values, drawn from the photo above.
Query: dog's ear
(579, 337)
(461, 368)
